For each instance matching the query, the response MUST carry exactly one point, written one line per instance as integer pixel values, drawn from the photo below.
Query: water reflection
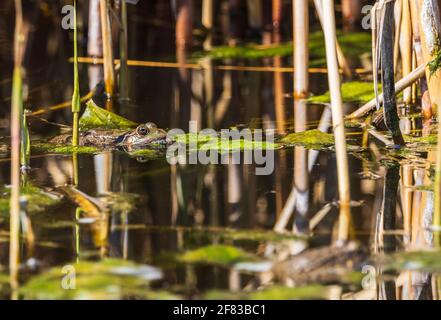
(182, 207)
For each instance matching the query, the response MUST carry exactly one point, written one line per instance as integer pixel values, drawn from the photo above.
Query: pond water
(206, 229)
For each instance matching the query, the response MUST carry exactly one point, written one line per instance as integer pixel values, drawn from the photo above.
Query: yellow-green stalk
(76, 92)
(25, 150)
(16, 118)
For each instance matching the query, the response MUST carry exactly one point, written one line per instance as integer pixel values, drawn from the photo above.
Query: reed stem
(337, 120)
(340, 55)
(76, 90)
(301, 49)
(430, 31)
(388, 76)
(106, 32)
(207, 22)
(123, 52)
(16, 119)
(406, 47)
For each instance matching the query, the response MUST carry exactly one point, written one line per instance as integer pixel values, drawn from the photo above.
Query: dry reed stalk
(184, 24)
(426, 104)
(278, 76)
(407, 196)
(398, 14)
(207, 22)
(106, 35)
(337, 120)
(301, 88)
(301, 49)
(351, 12)
(344, 65)
(123, 52)
(156, 64)
(430, 32)
(405, 38)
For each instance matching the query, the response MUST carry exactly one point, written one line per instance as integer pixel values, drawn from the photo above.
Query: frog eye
(142, 159)
(151, 125)
(142, 130)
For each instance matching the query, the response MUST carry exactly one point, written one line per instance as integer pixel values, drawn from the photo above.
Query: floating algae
(106, 279)
(274, 293)
(216, 254)
(355, 91)
(310, 139)
(229, 233)
(65, 149)
(353, 45)
(205, 142)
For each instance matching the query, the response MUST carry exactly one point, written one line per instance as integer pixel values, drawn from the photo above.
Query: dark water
(183, 207)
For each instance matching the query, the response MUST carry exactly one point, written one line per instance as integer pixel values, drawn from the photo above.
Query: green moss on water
(311, 139)
(352, 44)
(106, 279)
(223, 145)
(68, 149)
(249, 51)
(96, 117)
(230, 234)
(215, 143)
(355, 91)
(273, 293)
(216, 254)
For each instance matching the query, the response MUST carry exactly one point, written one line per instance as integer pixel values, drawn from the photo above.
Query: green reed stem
(25, 150)
(16, 120)
(76, 92)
